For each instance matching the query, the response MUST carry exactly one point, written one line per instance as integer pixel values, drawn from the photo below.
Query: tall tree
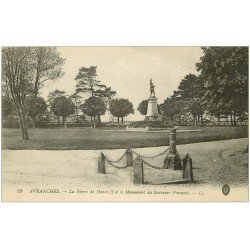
(87, 83)
(55, 94)
(143, 107)
(24, 70)
(225, 73)
(51, 98)
(39, 106)
(7, 106)
(94, 107)
(77, 99)
(197, 111)
(63, 106)
(171, 108)
(190, 93)
(121, 108)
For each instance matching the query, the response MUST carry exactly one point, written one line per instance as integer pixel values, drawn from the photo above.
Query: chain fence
(150, 157)
(143, 158)
(115, 165)
(116, 161)
(153, 166)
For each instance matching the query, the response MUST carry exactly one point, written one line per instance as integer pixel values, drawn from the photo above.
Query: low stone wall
(146, 129)
(137, 129)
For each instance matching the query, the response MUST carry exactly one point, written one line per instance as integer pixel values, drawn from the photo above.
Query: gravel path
(215, 163)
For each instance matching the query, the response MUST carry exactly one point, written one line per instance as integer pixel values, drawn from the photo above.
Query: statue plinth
(152, 112)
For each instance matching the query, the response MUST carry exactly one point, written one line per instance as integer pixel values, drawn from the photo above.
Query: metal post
(129, 156)
(172, 145)
(101, 164)
(138, 171)
(173, 160)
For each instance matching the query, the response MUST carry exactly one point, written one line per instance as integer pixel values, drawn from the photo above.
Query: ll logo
(225, 189)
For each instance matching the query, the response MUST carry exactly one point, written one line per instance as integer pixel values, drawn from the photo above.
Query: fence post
(101, 164)
(188, 168)
(129, 156)
(173, 160)
(138, 171)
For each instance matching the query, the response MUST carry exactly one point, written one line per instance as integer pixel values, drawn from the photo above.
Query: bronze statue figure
(152, 88)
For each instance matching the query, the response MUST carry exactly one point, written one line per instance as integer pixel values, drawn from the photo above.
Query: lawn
(87, 138)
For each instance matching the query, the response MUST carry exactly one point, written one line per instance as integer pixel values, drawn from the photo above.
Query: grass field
(87, 138)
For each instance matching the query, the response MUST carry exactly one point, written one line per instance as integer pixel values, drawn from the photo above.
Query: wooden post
(188, 168)
(129, 156)
(138, 171)
(101, 164)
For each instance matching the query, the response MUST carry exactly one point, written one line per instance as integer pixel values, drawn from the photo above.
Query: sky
(128, 70)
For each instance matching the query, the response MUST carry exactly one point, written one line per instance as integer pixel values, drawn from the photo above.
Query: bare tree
(24, 70)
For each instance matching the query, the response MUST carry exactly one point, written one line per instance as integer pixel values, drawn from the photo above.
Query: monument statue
(152, 111)
(152, 88)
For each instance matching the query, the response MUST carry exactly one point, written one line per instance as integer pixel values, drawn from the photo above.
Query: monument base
(153, 118)
(152, 111)
(173, 161)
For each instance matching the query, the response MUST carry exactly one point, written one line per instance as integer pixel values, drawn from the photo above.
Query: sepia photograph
(125, 123)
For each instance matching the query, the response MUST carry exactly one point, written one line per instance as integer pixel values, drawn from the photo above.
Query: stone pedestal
(152, 112)
(129, 157)
(188, 168)
(138, 171)
(101, 164)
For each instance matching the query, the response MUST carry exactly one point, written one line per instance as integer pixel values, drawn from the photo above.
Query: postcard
(125, 124)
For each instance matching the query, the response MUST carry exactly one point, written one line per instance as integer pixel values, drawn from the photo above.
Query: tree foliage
(39, 106)
(143, 107)
(225, 73)
(24, 71)
(190, 87)
(77, 99)
(55, 94)
(94, 106)
(7, 106)
(63, 106)
(87, 83)
(171, 108)
(121, 108)
(190, 93)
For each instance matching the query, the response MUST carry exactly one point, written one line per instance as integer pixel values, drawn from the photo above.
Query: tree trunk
(94, 122)
(198, 120)
(99, 119)
(231, 119)
(240, 120)
(195, 121)
(118, 119)
(218, 118)
(122, 121)
(64, 122)
(58, 120)
(33, 122)
(234, 116)
(91, 121)
(201, 120)
(23, 125)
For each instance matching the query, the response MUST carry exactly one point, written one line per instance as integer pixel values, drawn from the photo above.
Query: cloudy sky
(128, 70)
